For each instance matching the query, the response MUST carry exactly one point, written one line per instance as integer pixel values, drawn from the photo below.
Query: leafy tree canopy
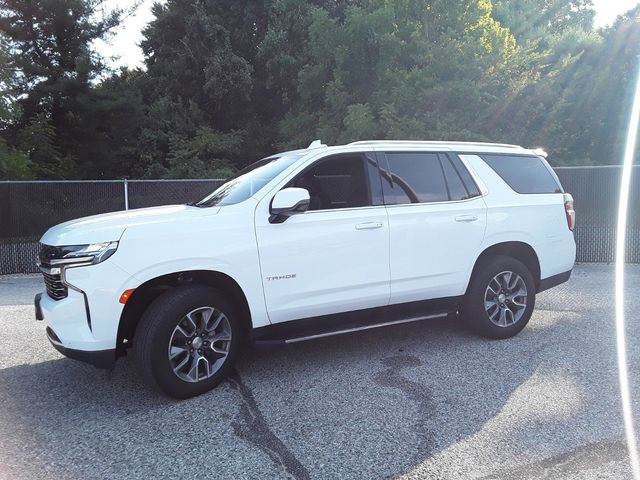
(226, 82)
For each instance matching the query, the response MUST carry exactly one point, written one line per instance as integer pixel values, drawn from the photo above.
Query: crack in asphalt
(589, 456)
(417, 392)
(252, 427)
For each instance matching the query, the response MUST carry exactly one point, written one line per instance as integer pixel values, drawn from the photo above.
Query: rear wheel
(187, 340)
(500, 299)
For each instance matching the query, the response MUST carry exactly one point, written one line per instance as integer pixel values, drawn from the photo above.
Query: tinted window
(375, 183)
(523, 174)
(337, 182)
(248, 181)
(466, 177)
(414, 178)
(457, 190)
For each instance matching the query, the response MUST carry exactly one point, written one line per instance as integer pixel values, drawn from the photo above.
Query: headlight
(85, 254)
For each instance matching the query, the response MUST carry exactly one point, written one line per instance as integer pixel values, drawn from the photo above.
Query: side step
(295, 331)
(357, 329)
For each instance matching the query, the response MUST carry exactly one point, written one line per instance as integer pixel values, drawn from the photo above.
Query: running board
(364, 327)
(302, 335)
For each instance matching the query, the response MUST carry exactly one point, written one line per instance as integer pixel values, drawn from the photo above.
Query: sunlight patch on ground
(544, 399)
(551, 318)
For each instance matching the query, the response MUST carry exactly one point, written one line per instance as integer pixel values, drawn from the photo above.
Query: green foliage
(227, 82)
(534, 20)
(49, 47)
(575, 92)
(37, 141)
(13, 164)
(203, 155)
(7, 74)
(397, 69)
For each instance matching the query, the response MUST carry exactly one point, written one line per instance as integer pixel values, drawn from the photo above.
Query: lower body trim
(104, 359)
(553, 281)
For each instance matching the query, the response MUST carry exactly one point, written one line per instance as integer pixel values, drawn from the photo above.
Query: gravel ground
(422, 400)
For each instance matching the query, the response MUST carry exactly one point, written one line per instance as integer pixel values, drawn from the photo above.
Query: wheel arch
(148, 291)
(515, 249)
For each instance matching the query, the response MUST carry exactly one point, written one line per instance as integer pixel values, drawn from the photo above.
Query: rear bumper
(553, 281)
(105, 359)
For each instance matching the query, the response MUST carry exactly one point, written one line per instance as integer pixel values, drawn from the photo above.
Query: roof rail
(540, 151)
(316, 144)
(435, 143)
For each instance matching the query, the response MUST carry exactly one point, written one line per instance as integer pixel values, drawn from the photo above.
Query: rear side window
(458, 189)
(467, 179)
(523, 174)
(413, 177)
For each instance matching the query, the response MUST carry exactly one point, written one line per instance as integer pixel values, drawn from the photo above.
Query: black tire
(155, 331)
(473, 311)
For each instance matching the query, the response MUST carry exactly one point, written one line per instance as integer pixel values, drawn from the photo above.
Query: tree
(570, 91)
(221, 74)
(14, 164)
(412, 69)
(537, 19)
(50, 47)
(227, 82)
(199, 85)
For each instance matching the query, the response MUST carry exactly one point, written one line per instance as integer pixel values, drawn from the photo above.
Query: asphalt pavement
(421, 400)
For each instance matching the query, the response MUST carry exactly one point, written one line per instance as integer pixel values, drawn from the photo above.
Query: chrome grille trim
(56, 289)
(54, 275)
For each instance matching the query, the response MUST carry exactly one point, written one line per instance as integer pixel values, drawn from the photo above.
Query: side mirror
(287, 202)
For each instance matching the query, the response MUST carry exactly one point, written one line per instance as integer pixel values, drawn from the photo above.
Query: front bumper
(83, 325)
(99, 358)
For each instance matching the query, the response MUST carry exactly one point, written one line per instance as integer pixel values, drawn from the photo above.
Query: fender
(250, 285)
(495, 239)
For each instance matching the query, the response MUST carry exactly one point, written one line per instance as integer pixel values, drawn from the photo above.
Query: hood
(108, 227)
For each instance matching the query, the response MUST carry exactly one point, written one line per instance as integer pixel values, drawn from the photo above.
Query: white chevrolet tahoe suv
(306, 244)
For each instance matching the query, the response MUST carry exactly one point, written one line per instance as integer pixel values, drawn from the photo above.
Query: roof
(470, 147)
(422, 143)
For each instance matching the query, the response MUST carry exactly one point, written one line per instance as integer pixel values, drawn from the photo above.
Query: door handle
(368, 226)
(466, 218)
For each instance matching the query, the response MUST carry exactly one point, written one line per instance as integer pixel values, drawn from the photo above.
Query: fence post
(126, 194)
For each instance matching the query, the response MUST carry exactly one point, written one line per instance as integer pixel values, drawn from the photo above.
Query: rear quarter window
(524, 174)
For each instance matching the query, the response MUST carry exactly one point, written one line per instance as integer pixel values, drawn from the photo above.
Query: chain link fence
(595, 192)
(28, 209)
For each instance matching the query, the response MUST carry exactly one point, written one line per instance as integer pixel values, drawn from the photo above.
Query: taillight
(571, 213)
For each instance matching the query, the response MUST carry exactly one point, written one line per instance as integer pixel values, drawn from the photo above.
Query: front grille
(55, 288)
(53, 281)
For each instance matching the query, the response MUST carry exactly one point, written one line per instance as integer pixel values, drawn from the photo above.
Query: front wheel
(187, 340)
(500, 299)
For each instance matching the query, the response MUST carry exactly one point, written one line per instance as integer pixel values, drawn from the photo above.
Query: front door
(334, 257)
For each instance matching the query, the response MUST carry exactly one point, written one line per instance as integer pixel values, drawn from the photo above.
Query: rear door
(437, 220)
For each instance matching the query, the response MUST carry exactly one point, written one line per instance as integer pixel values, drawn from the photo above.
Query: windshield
(248, 181)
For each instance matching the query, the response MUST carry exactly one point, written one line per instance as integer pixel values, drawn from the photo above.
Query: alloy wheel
(199, 344)
(505, 299)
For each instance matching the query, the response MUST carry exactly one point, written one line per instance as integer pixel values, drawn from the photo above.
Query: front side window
(249, 181)
(340, 181)
(414, 177)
